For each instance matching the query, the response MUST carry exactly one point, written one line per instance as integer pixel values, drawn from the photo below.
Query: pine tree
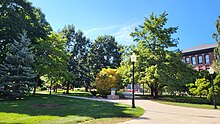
(17, 75)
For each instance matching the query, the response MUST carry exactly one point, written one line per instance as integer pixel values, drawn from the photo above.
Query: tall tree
(216, 36)
(105, 52)
(17, 75)
(155, 63)
(19, 15)
(78, 46)
(52, 60)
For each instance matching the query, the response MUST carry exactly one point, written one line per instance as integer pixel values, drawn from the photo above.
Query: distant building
(201, 57)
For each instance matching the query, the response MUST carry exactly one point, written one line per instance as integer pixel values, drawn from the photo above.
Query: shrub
(93, 93)
(107, 79)
(43, 88)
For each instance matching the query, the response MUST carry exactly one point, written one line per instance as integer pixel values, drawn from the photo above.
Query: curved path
(156, 113)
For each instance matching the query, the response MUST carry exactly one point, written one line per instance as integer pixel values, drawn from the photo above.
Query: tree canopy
(105, 52)
(78, 46)
(156, 65)
(17, 16)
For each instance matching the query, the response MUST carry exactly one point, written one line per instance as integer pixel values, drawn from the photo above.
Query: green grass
(194, 102)
(71, 93)
(203, 106)
(68, 110)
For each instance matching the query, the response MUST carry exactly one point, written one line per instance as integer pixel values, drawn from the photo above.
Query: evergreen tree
(17, 75)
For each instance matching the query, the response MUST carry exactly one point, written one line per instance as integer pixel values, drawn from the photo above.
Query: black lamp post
(133, 60)
(211, 72)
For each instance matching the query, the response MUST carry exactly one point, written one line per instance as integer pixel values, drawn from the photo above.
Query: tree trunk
(35, 86)
(86, 89)
(156, 93)
(50, 86)
(67, 87)
(73, 87)
(151, 91)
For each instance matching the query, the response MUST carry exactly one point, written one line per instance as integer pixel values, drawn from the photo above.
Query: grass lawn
(194, 102)
(71, 93)
(204, 106)
(46, 109)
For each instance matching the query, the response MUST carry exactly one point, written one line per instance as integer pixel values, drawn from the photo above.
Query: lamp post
(211, 72)
(133, 60)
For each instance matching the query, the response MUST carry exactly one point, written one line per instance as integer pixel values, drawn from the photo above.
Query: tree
(107, 79)
(52, 60)
(19, 15)
(203, 87)
(216, 88)
(17, 75)
(216, 36)
(105, 52)
(156, 65)
(200, 88)
(78, 46)
(177, 71)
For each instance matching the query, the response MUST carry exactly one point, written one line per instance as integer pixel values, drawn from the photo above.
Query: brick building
(201, 57)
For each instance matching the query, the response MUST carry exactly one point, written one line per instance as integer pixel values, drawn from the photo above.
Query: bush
(93, 93)
(121, 95)
(43, 88)
(107, 79)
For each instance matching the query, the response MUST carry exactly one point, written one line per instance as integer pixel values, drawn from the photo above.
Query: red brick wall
(202, 66)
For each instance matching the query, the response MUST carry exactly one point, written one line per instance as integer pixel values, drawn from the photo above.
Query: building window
(207, 59)
(194, 60)
(187, 60)
(200, 60)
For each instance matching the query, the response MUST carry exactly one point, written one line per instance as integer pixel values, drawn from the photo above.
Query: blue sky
(195, 18)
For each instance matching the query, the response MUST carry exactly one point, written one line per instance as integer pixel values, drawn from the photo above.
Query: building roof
(200, 47)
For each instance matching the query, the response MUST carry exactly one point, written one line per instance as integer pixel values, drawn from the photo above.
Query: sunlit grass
(75, 92)
(185, 101)
(203, 106)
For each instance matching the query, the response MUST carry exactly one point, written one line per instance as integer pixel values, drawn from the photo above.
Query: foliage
(156, 66)
(177, 71)
(125, 71)
(105, 52)
(200, 88)
(216, 36)
(17, 75)
(78, 46)
(52, 59)
(19, 15)
(216, 82)
(203, 86)
(107, 79)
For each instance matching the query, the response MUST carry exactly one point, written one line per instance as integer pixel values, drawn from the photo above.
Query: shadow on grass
(66, 107)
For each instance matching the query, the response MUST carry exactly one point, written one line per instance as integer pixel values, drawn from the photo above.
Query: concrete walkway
(156, 113)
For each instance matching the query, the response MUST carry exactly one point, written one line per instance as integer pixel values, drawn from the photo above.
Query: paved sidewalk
(156, 113)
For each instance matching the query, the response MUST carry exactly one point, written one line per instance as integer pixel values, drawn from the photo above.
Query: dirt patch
(48, 106)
